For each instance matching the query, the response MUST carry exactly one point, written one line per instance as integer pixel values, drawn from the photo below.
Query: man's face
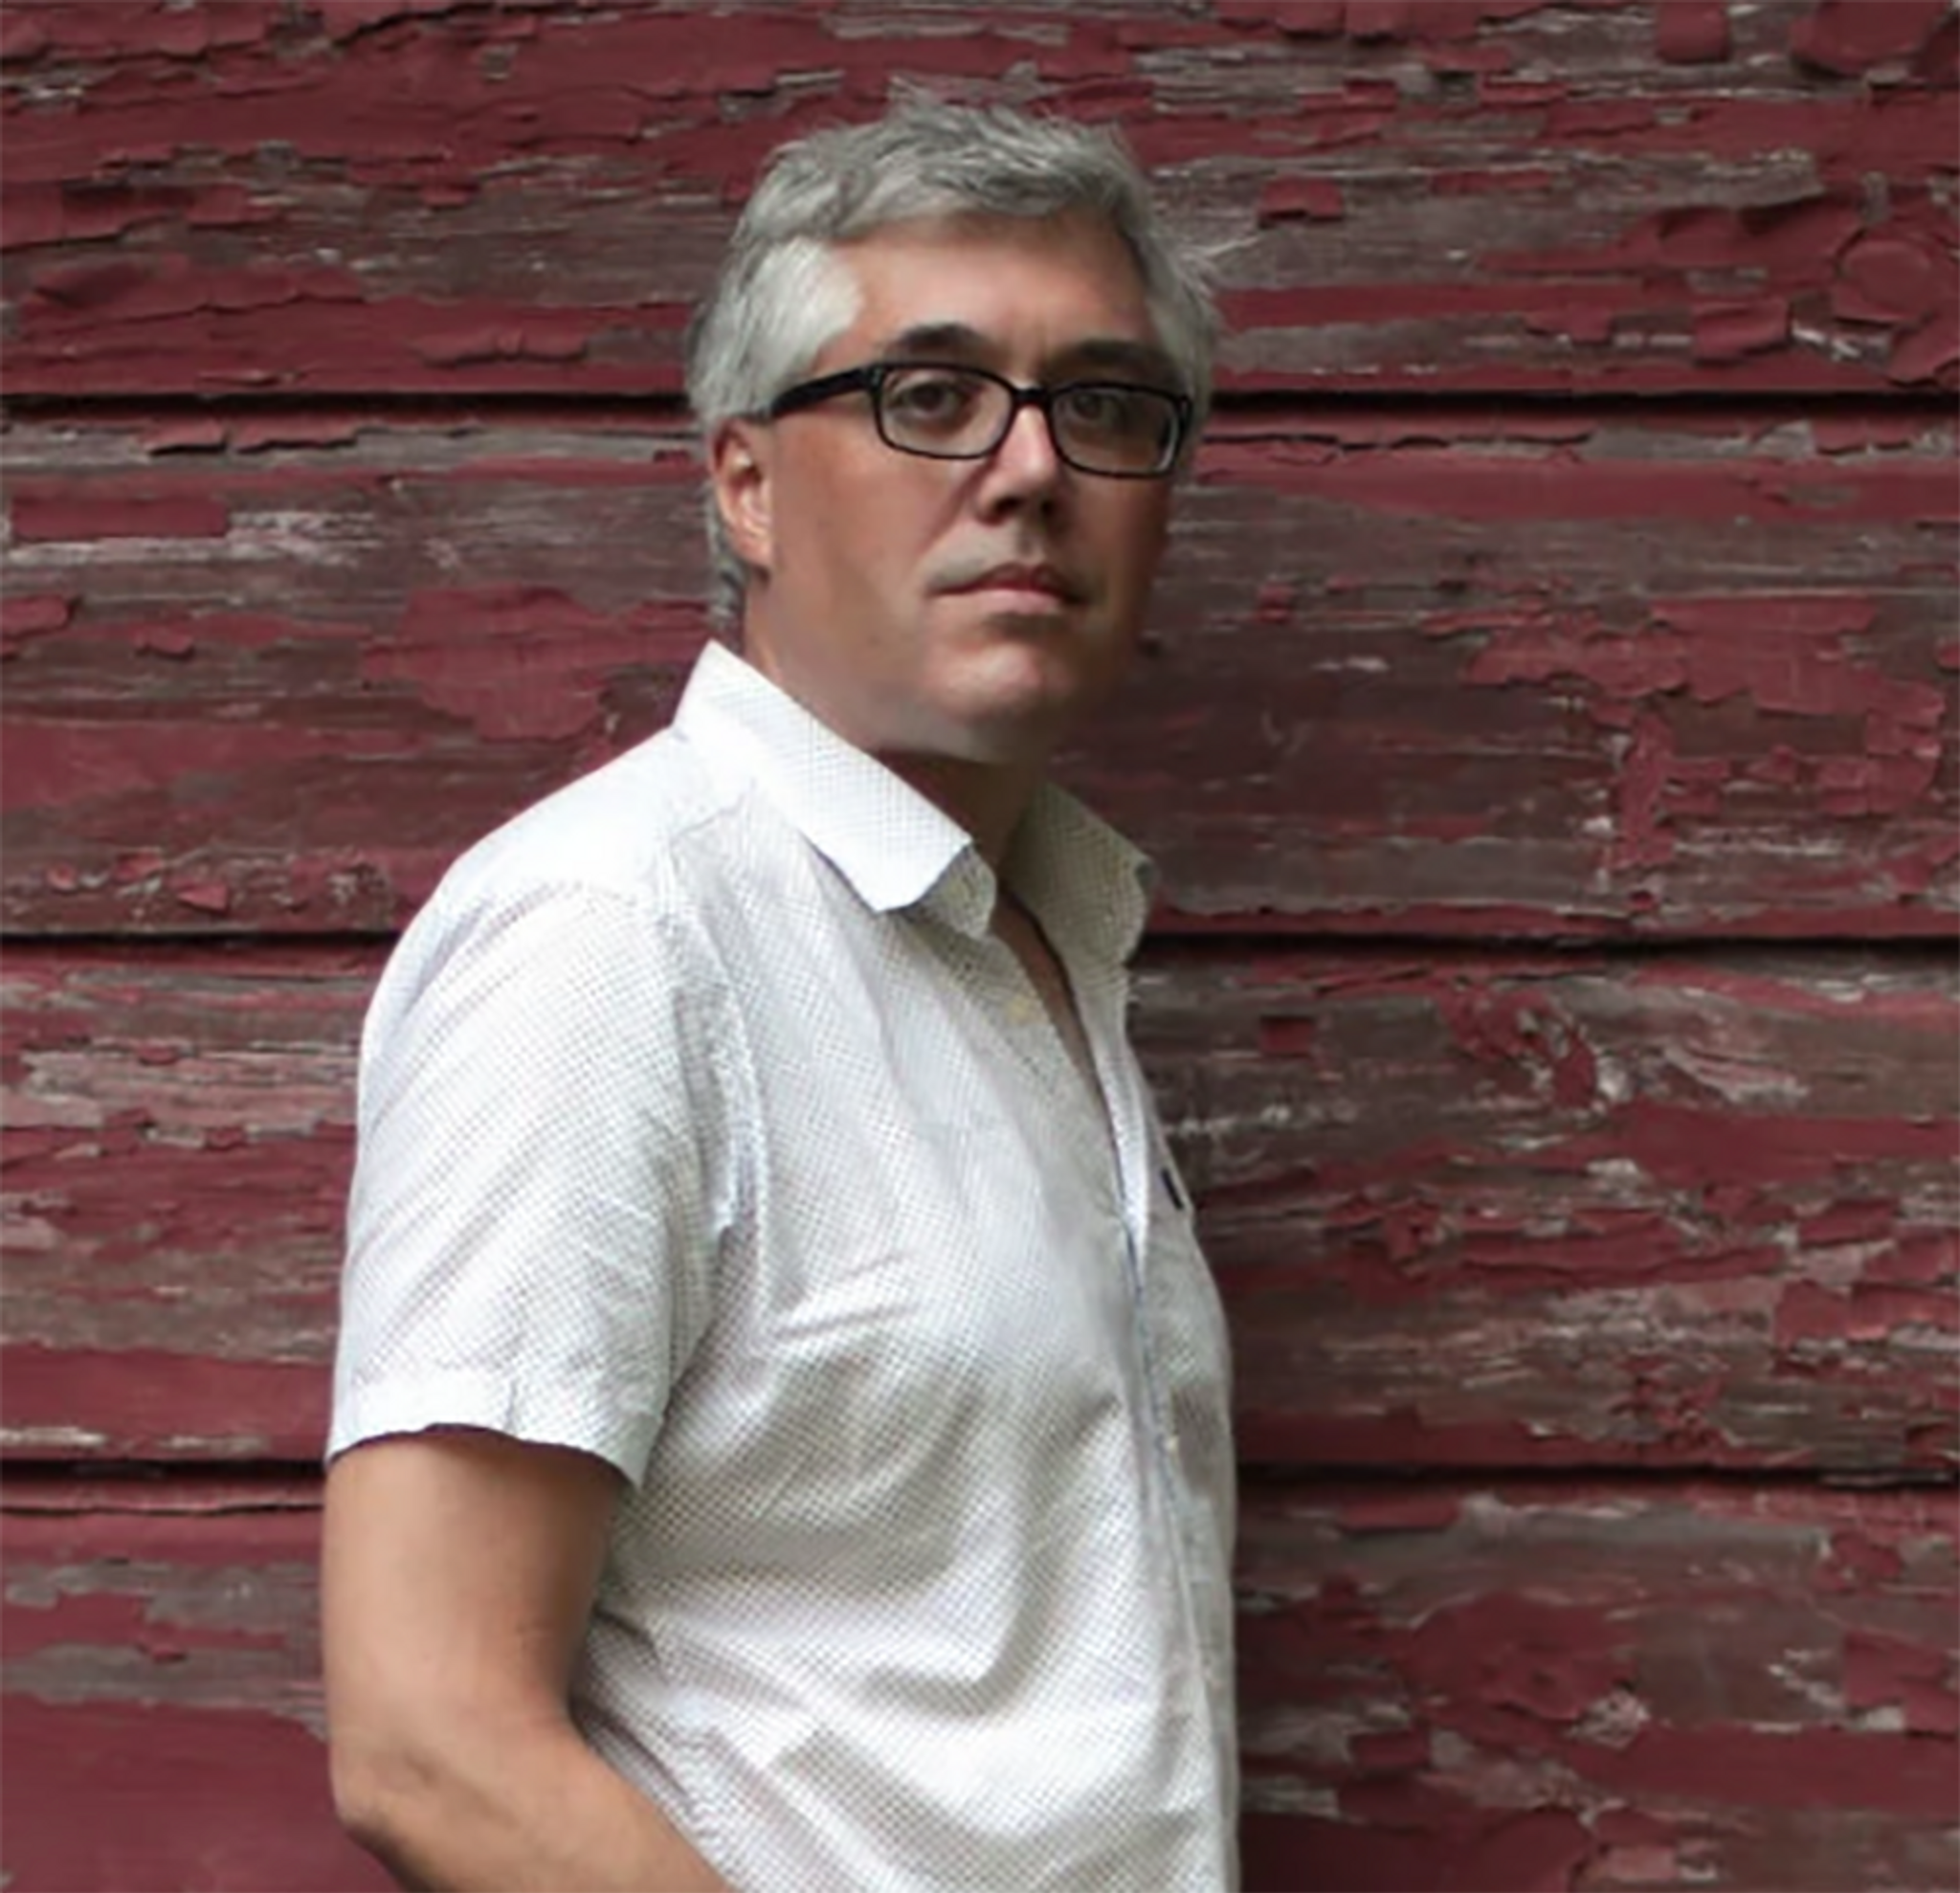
(955, 608)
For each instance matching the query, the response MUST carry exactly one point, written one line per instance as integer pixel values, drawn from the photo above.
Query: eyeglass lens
(958, 413)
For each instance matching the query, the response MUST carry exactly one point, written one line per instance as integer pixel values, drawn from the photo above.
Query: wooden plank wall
(1548, 737)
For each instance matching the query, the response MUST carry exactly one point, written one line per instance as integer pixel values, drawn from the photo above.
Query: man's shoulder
(619, 831)
(599, 880)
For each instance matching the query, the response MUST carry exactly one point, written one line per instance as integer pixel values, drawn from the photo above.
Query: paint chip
(1298, 199)
(1729, 331)
(1894, 275)
(198, 436)
(1928, 352)
(21, 39)
(165, 641)
(1855, 38)
(51, 517)
(207, 897)
(1691, 33)
(30, 614)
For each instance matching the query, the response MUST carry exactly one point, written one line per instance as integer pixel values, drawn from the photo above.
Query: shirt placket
(1103, 1002)
(1123, 1157)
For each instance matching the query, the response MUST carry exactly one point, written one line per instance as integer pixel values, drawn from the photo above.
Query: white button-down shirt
(706, 1126)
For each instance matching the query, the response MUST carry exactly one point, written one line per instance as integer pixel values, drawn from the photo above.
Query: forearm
(491, 1811)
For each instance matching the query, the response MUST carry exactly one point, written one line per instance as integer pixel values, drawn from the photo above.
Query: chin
(1005, 684)
(1016, 714)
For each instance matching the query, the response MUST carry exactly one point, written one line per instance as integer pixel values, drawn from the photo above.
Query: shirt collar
(1084, 881)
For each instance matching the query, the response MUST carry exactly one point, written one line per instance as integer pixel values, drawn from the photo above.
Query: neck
(987, 798)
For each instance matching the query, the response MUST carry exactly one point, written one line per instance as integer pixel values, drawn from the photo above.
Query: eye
(1113, 410)
(932, 400)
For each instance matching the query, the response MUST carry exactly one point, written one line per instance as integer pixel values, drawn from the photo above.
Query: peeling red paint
(130, 1403)
(549, 658)
(210, 897)
(1726, 331)
(1685, 1634)
(476, 127)
(1691, 33)
(1478, 670)
(1647, 1719)
(1881, 1670)
(1709, 760)
(1854, 37)
(41, 516)
(28, 615)
(1927, 352)
(1479, 1163)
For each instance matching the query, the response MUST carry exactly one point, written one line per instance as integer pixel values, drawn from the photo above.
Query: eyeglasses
(1119, 429)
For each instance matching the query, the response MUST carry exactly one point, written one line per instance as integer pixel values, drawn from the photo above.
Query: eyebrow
(961, 341)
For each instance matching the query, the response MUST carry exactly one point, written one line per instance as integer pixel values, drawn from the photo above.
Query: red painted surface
(164, 1703)
(1555, 1685)
(1583, 674)
(1656, 674)
(1477, 1209)
(1574, 1684)
(1424, 196)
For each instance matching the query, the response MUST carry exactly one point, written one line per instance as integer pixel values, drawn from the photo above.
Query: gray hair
(781, 297)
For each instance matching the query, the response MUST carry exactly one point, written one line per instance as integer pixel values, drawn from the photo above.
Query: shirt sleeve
(532, 1225)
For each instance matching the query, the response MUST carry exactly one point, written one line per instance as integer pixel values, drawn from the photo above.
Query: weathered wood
(178, 1146)
(1423, 673)
(163, 1705)
(1482, 193)
(1588, 1686)
(1584, 1686)
(1559, 1209)
(1554, 1209)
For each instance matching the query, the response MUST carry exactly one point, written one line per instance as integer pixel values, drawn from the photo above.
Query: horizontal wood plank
(1581, 1687)
(163, 1715)
(1671, 1210)
(1551, 1685)
(238, 197)
(1428, 674)
(179, 1144)
(1550, 1209)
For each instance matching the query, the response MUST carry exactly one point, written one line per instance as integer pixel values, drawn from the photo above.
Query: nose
(1024, 468)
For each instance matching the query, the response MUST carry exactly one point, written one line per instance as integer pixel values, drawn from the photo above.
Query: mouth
(1035, 584)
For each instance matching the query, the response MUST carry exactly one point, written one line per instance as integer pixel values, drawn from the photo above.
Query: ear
(739, 466)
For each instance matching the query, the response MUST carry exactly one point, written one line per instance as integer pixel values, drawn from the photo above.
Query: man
(780, 1437)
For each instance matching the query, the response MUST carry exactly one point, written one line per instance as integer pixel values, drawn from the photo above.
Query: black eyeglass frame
(870, 378)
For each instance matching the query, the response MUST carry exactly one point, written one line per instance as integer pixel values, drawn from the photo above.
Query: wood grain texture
(178, 1143)
(1553, 1210)
(1586, 1686)
(164, 1714)
(1590, 1686)
(1425, 674)
(247, 197)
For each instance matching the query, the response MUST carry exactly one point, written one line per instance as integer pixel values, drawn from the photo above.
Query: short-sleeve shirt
(706, 1126)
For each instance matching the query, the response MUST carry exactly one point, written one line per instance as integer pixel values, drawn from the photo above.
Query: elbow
(375, 1793)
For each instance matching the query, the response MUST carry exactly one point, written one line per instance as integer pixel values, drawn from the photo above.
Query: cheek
(872, 514)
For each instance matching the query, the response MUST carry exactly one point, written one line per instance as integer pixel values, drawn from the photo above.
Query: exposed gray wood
(1530, 1211)
(249, 197)
(1584, 1686)
(1425, 675)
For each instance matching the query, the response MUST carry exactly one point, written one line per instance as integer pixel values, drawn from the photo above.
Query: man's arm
(459, 1573)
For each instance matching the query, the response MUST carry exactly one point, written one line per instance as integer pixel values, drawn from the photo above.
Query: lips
(1040, 581)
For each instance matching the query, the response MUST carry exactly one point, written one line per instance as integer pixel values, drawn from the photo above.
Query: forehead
(1040, 287)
